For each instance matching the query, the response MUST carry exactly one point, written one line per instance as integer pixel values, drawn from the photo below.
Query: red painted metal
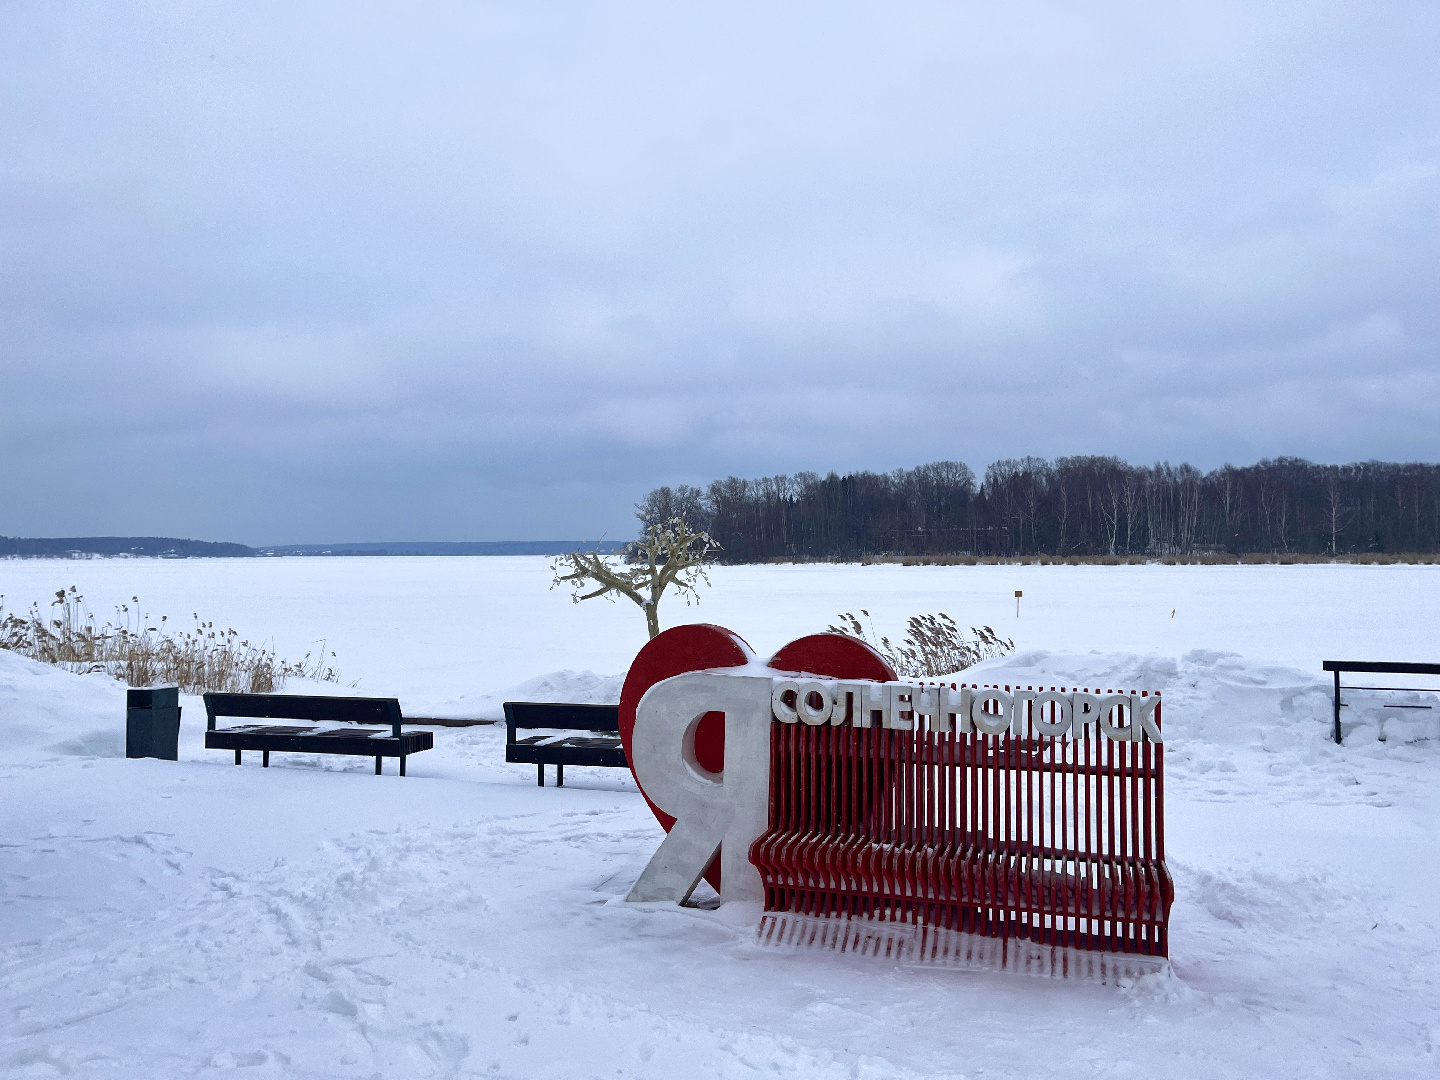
(1056, 840)
(835, 656)
(698, 646)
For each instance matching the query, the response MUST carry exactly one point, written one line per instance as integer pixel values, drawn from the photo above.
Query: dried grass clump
(932, 646)
(199, 660)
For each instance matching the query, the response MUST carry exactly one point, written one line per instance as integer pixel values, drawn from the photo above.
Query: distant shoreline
(167, 547)
(1248, 559)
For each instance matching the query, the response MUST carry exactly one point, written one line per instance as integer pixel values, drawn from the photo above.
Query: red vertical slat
(1053, 839)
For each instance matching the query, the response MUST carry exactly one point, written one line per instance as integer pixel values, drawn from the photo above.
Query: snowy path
(171, 919)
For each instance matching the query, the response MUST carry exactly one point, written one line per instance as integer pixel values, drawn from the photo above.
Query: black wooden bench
(1376, 668)
(355, 742)
(599, 745)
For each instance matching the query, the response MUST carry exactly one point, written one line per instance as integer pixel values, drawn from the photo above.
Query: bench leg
(559, 775)
(264, 759)
(237, 757)
(402, 764)
(540, 775)
(377, 766)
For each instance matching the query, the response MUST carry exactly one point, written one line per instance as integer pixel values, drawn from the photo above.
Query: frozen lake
(438, 631)
(163, 919)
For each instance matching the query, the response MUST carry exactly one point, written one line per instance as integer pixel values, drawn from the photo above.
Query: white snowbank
(1222, 699)
(45, 708)
(577, 687)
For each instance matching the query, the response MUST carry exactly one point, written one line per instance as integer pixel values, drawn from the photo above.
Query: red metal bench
(1054, 839)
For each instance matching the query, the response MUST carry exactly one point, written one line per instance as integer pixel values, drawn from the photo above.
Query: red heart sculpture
(700, 646)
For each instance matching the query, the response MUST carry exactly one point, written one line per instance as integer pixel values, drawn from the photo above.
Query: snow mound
(45, 708)
(575, 687)
(1222, 698)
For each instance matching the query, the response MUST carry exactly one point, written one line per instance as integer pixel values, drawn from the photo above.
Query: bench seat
(1087, 888)
(964, 886)
(568, 750)
(356, 742)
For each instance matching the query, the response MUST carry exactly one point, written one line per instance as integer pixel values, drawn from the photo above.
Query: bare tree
(664, 503)
(1110, 512)
(1130, 499)
(1335, 510)
(672, 553)
(1063, 517)
(1187, 515)
(1267, 505)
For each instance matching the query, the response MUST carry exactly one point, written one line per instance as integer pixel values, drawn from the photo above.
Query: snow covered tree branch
(671, 554)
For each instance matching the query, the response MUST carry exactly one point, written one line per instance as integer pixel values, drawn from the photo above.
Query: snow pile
(45, 708)
(576, 687)
(1211, 695)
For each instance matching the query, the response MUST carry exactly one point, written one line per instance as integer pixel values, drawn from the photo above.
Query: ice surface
(177, 918)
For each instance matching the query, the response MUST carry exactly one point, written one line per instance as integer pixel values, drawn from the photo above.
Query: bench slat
(551, 714)
(1381, 667)
(344, 743)
(520, 754)
(1058, 840)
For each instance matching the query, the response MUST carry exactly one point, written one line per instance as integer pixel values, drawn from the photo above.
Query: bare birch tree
(672, 554)
(1335, 511)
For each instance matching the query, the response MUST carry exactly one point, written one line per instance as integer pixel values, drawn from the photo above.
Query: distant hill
(149, 546)
(168, 547)
(490, 547)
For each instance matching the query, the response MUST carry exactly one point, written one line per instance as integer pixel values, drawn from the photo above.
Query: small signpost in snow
(1018, 594)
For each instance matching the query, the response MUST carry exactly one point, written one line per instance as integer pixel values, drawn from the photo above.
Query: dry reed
(933, 645)
(197, 660)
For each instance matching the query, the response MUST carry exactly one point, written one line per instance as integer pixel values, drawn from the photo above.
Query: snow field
(439, 632)
(187, 918)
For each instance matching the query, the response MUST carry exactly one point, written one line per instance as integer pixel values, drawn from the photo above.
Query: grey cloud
(326, 271)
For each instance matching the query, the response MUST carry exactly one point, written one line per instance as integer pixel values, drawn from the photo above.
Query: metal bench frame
(598, 746)
(314, 708)
(1380, 668)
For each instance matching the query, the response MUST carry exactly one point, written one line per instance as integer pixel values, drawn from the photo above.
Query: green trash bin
(152, 723)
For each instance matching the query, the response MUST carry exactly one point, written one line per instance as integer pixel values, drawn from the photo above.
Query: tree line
(1067, 506)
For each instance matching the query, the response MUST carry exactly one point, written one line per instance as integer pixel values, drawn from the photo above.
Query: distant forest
(168, 547)
(1068, 506)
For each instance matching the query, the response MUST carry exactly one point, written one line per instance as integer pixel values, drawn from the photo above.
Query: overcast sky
(318, 272)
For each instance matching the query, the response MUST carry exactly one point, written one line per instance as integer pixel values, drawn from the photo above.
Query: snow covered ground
(173, 919)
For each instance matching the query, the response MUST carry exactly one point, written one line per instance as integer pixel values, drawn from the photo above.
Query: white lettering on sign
(714, 812)
(990, 710)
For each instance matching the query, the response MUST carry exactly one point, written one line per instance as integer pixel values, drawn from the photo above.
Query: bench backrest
(566, 717)
(305, 707)
(1079, 795)
(1381, 667)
